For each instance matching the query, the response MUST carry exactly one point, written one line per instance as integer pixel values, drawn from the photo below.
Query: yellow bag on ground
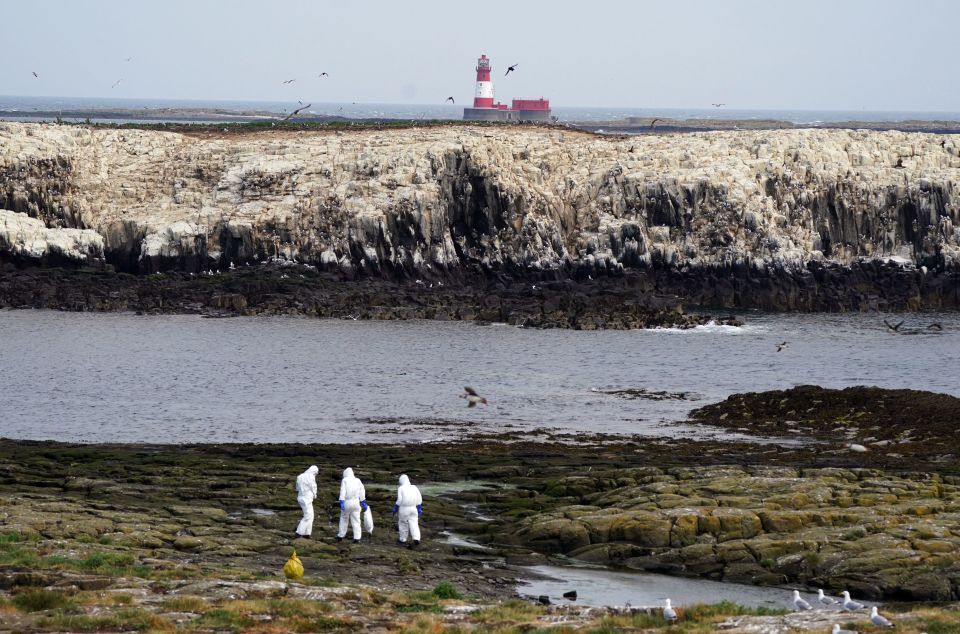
(293, 569)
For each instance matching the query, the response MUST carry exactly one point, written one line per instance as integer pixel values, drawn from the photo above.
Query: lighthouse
(484, 95)
(486, 109)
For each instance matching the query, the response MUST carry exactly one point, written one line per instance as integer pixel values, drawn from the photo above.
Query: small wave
(712, 326)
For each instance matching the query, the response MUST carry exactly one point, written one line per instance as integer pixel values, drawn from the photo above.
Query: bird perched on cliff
(510, 68)
(296, 111)
(849, 604)
(857, 448)
(781, 346)
(893, 327)
(669, 614)
(824, 599)
(472, 397)
(800, 603)
(451, 100)
(878, 619)
(836, 630)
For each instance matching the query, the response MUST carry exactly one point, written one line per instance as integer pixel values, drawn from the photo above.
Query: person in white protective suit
(353, 499)
(306, 494)
(409, 507)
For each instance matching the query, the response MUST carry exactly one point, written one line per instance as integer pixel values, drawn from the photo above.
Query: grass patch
(11, 538)
(514, 610)
(40, 600)
(185, 603)
(419, 608)
(126, 619)
(445, 590)
(221, 618)
(110, 564)
(321, 624)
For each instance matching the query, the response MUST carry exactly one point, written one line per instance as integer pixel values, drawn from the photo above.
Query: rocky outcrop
(758, 218)
(874, 533)
(26, 238)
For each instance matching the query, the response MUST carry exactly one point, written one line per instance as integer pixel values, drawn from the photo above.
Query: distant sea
(24, 106)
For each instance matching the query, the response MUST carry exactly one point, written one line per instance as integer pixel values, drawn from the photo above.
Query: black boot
(339, 539)
(356, 541)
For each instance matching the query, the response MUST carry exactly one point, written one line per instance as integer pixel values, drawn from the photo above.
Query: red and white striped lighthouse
(484, 95)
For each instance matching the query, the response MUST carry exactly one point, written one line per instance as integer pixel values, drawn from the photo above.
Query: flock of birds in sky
(287, 82)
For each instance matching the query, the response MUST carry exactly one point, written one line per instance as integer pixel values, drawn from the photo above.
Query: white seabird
(836, 630)
(800, 603)
(849, 604)
(669, 614)
(824, 599)
(878, 619)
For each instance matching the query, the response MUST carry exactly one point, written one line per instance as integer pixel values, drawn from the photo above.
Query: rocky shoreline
(882, 523)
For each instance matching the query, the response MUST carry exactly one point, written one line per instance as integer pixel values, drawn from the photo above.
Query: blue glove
(342, 505)
(396, 508)
(419, 509)
(363, 504)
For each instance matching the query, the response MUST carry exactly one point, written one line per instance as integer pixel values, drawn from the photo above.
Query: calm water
(600, 586)
(25, 105)
(122, 378)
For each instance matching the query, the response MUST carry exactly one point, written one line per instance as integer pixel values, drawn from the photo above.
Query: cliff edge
(784, 219)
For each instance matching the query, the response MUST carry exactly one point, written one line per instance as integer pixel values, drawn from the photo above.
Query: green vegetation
(444, 590)
(40, 600)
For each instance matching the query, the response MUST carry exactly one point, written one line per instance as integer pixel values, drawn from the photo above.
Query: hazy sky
(797, 54)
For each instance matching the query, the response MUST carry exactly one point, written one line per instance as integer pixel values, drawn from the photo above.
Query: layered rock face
(452, 202)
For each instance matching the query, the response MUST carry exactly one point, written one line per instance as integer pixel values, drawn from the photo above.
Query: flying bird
(472, 397)
(824, 599)
(128, 59)
(878, 619)
(296, 111)
(289, 81)
(451, 100)
(718, 105)
(115, 84)
(669, 614)
(510, 68)
(653, 122)
(324, 74)
(781, 346)
(800, 603)
(849, 604)
(36, 75)
(893, 327)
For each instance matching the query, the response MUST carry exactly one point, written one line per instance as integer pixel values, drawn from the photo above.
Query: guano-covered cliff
(796, 219)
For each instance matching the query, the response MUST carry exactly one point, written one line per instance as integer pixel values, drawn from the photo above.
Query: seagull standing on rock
(878, 619)
(824, 599)
(849, 604)
(859, 449)
(669, 614)
(800, 603)
(472, 397)
(836, 630)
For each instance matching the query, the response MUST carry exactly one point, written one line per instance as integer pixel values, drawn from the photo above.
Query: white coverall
(408, 510)
(306, 494)
(352, 495)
